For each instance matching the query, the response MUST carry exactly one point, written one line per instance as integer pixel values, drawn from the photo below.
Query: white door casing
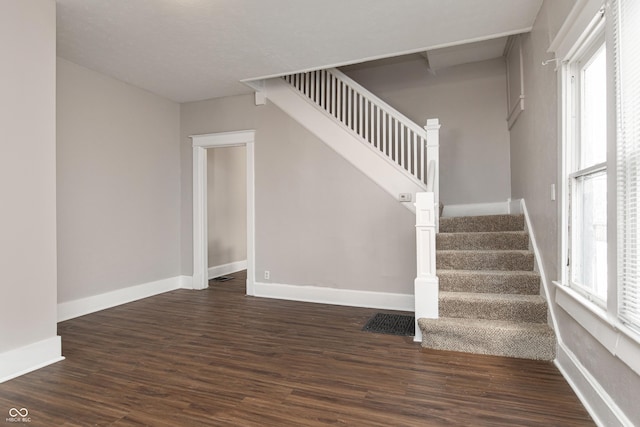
(200, 242)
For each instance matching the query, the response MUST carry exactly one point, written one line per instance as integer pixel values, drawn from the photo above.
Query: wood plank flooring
(219, 358)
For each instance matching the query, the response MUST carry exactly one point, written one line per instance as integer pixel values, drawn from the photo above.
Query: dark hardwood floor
(219, 358)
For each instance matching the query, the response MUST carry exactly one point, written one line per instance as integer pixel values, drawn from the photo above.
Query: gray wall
(470, 101)
(318, 220)
(534, 165)
(27, 173)
(118, 184)
(227, 204)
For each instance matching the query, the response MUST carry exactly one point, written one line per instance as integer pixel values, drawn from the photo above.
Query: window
(600, 83)
(586, 167)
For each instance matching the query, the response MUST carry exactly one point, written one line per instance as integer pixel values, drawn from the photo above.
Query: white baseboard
(232, 267)
(186, 282)
(602, 408)
(476, 209)
(514, 206)
(23, 360)
(80, 307)
(348, 297)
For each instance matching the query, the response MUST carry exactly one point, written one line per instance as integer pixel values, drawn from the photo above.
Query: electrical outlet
(405, 197)
(267, 274)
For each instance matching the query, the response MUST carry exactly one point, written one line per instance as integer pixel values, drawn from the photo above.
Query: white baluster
(378, 127)
(384, 133)
(367, 113)
(396, 138)
(415, 155)
(341, 101)
(333, 96)
(401, 146)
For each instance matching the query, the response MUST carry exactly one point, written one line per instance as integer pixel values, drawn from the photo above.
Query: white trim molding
(232, 267)
(200, 240)
(600, 405)
(335, 296)
(574, 28)
(186, 282)
(82, 306)
(539, 267)
(613, 335)
(23, 360)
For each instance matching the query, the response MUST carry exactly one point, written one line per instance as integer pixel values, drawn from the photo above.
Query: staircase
(489, 300)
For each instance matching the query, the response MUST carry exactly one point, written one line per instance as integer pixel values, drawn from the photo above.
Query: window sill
(613, 335)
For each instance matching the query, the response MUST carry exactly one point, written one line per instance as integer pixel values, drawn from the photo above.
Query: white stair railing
(382, 127)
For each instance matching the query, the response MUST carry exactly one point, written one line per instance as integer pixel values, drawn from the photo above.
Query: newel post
(426, 283)
(433, 154)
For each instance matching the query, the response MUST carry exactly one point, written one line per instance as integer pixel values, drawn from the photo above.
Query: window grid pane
(589, 252)
(593, 136)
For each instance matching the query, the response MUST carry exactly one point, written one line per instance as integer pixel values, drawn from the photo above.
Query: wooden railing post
(426, 284)
(433, 154)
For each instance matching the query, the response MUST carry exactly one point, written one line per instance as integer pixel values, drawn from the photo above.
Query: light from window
(587, 171)
(590, 242)
(593, 141)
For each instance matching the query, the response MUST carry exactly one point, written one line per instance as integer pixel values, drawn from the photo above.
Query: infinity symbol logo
(22, 412)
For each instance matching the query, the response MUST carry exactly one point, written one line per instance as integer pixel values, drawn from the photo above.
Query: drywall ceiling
(189, 50)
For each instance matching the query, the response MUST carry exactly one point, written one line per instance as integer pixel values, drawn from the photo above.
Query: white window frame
(601, 321)
(571, 75)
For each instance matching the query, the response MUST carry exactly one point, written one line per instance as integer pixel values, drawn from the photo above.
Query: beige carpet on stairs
(489, 299)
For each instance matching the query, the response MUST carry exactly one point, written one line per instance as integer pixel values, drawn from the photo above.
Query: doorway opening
(200, 209)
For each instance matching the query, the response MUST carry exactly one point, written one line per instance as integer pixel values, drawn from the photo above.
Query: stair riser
(482, 241)
(523, 285)
(536, 343)
(482, 224)
(535, 348)
(491, 310)
(470, 260)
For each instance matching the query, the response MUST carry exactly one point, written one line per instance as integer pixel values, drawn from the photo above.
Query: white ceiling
(189, 50)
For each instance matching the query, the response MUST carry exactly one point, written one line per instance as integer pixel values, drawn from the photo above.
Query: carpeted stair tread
(489, 281)
(492, 337)
(498, 240)
(470, 305)
(482, 223)
(489, 300)
(484, 260)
